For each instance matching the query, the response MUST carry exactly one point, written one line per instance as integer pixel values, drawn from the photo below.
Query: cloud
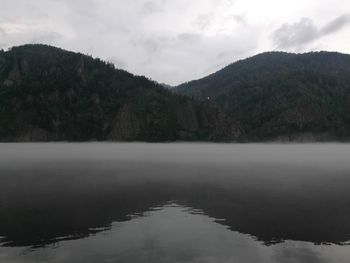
(204, 20)
(336, 24)
(151, 7)
(240, 19)
(290, 35)
(118, 62)
(49, 37)
(305, 31)
(171, 41)
(189, 38)
(2, 37)
(15, 33)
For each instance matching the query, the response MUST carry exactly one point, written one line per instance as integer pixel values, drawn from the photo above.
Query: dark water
(174, 203)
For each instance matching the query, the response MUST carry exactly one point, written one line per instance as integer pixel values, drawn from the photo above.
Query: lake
(181, 202)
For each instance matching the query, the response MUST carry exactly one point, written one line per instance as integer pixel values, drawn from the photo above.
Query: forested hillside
(49, 94)
(283, 96)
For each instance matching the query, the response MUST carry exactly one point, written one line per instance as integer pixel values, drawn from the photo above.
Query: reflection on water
(174, 203)
(173, 233)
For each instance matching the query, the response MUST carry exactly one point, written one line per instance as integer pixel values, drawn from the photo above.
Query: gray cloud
(291, 35)
(240, 19)
(305, 31)
(49, 37)
(171, 41)
(151, 7)
(189, 38)
(336, 24)
(2, 37)
(204, 20)
(151, 44)
(118, 62)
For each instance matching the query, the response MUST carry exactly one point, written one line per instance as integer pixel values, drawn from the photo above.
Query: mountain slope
(284, 96)
(49, 94)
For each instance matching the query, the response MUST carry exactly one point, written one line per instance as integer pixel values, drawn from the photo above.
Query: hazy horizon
(176, 41)
(210, 73)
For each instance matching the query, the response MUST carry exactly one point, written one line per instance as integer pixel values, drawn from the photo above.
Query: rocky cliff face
(187, 119)
(125, 126)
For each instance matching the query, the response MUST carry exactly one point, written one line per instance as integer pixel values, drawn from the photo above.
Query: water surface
(113, 202)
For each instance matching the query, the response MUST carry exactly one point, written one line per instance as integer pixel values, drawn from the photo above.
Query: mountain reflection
(44, 201)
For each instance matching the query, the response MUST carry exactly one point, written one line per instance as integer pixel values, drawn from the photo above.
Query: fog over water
(181, 202)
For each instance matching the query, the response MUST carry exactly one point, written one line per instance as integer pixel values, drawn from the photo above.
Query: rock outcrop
(125, 126)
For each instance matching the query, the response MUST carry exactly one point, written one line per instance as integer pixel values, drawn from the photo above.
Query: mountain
(282, 96)
(49, 94)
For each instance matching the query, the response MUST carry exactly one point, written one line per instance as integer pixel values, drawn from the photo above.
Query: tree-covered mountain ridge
(282, 96)
(50, 94)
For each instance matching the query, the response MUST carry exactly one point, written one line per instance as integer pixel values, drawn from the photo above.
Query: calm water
(174, 203)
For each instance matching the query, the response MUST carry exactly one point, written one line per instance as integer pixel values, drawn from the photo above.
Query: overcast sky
(174, 41)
